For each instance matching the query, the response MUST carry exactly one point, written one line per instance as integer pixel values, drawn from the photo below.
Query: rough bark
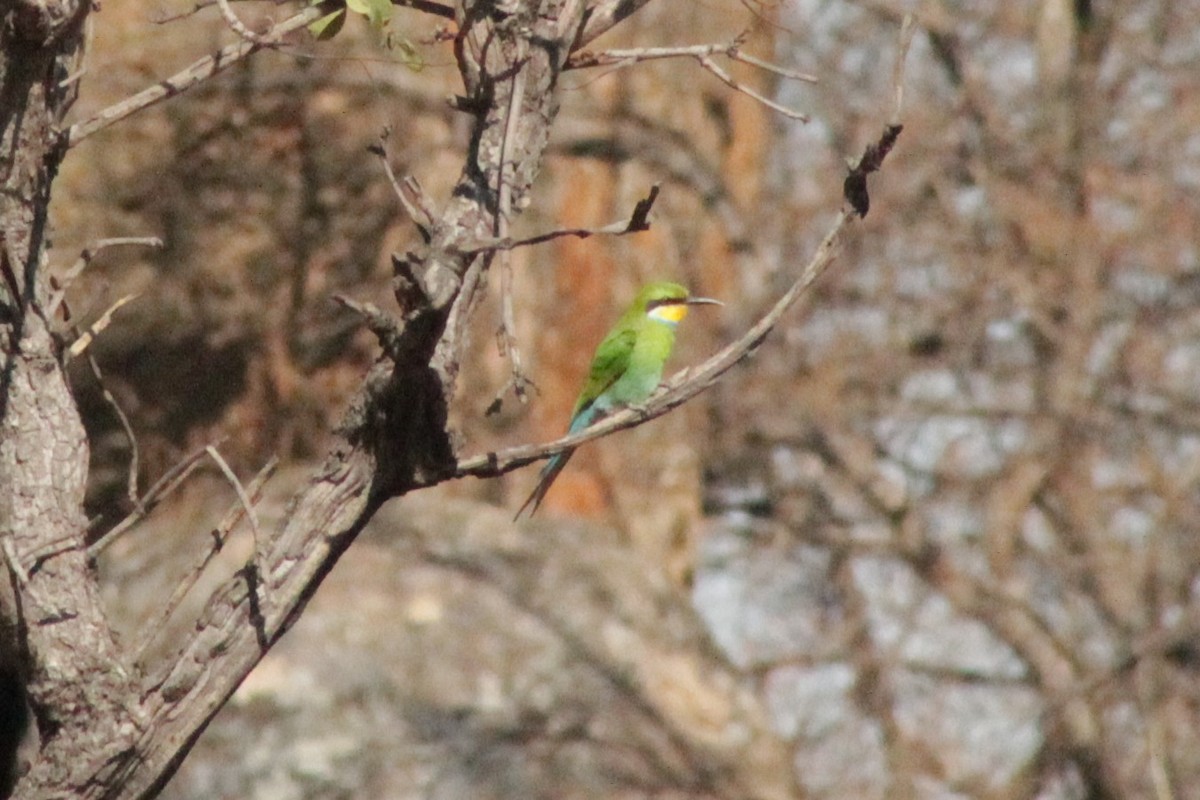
(65, 649)
(105, 730)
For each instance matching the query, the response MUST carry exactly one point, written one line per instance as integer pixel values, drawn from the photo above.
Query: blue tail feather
(556, 463)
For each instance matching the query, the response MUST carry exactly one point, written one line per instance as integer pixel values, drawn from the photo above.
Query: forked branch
(703, 53)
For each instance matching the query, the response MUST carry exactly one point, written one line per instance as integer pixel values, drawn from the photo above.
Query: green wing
(609, 364)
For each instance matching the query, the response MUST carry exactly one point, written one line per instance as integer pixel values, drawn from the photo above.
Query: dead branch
(408, 191)
(704, 55)
(200, 71)
(131, 480)
(638, 221)
(239, 27)
(162, 488)
(85, 258)
(88, 336)
(854, 190)
(428, 6)
(247, 498)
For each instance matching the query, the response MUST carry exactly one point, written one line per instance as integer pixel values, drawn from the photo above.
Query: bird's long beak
(703, 301)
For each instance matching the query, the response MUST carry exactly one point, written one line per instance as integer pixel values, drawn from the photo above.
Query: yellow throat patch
(669, 312)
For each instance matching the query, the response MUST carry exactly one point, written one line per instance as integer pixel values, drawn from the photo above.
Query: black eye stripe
(670, 301)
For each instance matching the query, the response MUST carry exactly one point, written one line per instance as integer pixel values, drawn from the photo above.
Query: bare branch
(702, 53)
(682, 387)
(223, 465)
(87, 337)
(239, 27)
(907, 29)
(638, 221)
(180, 82)
(428, 6)
(386, 328)
(728, 80)
(131, 482)
(621, 58)
(854, 189)
(161, 489)
(408, 191)
(220, 534)
(85, 258)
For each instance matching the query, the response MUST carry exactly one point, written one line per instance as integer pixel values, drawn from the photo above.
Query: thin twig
(407, 192)
(185, 79)
(239, 27)
(907, 29)
(164, 18)
(88, 336)
(414, 195)
(603, 15)
(729, 81)
(163, 487)
(428, 6)
(131, 482)
(622, 58)
(223, 465)
(703, 53)
(386, 328)
(854, 189)
(220, 534)
(638, 221)
(255, 584)
(85, 259)
(783, 72)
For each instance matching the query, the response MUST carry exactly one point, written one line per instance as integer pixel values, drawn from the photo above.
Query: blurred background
(936, 539)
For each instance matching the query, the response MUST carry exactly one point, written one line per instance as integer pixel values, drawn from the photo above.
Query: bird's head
(668, 302)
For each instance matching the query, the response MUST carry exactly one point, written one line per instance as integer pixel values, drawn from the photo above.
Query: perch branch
(681, 388)
(690, 382)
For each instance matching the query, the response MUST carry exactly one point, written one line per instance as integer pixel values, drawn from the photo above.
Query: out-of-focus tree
(966, 559)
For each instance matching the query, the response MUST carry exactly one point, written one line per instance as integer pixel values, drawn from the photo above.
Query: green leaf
(377, 12)
(328, 26)
(407, 51)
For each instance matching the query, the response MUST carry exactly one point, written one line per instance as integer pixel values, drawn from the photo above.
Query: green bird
(627, 367)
